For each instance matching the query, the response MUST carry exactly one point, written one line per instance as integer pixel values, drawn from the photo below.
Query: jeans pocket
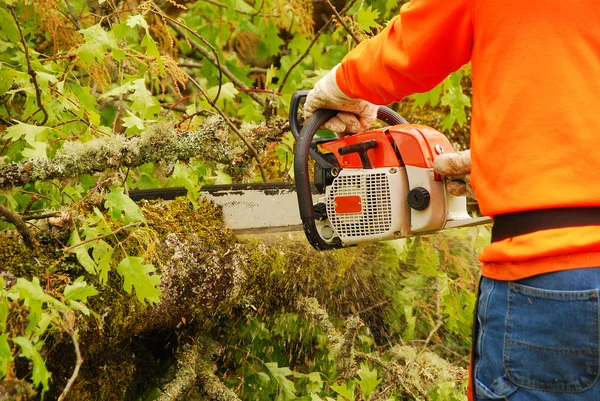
(551, 339)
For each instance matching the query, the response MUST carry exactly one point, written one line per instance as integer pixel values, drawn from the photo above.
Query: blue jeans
(538, 338)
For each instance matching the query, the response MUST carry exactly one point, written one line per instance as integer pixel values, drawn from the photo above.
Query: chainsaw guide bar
(247, 208)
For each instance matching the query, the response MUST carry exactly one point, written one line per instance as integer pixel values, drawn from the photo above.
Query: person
(535, 146)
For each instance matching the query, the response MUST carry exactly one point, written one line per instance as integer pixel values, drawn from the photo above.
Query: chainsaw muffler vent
(363, 204)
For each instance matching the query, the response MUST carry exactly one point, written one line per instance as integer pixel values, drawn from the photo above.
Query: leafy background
(78, 79)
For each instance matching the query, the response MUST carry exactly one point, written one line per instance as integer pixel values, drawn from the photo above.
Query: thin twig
(40, 216)
(73, 15)
(430, 336)
(257, 90)
(30, 70)
(233, 127)
(190, 64)
(311, 44)
(237, 10)
(341, 21)
(78, 361)
(224, 69)
(183, 99)
(15, 219)
(98, 185)
(87, 241)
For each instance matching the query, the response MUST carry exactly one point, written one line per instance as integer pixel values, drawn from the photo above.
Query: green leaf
(287, 391)
(250, 112)
(456, 99)
(37, 151)
(136, 275)
(221, 178)
(79, 290)
(184, 175)
(432, 97)
(152, 49)
(40, 373)
(366, 18)
(345, 390)
(117, 203)
(368, 379)
(81, 252)
(80, 307)
(133, 121)
(5, 354)
(3, 308)
(143, 102)
(9, 28)
(31, 133)
(97, 41)
(272, 42)
(135, 20)
(228, 92)
(7, 77)
(34, 298)
(86, 100)
(104, 267)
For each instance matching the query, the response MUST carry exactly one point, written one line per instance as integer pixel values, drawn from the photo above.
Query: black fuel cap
(418, 198)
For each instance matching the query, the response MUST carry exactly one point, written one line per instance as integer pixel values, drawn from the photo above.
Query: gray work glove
(356, 115)
(457, 168)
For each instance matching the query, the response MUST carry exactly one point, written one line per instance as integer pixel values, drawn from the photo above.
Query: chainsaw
(372, 186)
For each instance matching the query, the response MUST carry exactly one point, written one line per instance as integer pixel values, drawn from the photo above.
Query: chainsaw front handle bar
(304, 137)
(384, 114)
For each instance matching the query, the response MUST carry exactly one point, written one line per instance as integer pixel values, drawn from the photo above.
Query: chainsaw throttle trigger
(360, 148)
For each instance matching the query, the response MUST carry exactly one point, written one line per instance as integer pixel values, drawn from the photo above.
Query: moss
(207, 276)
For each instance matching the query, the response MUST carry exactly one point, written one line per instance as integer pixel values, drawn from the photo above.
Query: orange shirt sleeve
(415, 52)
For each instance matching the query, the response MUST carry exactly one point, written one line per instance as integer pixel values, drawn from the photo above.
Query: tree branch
(15, 219)
(160, 143)
(30, 70)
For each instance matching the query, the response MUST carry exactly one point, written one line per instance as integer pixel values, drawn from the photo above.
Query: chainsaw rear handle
(304, 136)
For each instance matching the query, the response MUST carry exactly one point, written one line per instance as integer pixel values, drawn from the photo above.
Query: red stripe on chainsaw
(348, 204)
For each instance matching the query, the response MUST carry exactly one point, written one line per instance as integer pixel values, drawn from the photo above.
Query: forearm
(415, 52)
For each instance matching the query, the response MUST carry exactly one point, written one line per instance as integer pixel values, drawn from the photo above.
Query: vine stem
(30, 70)
(233, 127)
(79, 360)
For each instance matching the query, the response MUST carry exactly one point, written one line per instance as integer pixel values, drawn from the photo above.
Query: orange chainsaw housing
(400, 145)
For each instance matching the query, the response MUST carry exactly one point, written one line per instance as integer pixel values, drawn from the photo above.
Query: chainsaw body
(373, 186)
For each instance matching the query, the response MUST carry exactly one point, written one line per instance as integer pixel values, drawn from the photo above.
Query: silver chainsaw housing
(385, 213)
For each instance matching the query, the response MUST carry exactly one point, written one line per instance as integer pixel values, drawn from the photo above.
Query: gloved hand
(457, 167)
(356, 115)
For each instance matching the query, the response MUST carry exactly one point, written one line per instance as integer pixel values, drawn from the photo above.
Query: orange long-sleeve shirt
(535, 131)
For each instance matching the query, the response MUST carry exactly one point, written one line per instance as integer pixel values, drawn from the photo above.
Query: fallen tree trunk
(206, 275)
